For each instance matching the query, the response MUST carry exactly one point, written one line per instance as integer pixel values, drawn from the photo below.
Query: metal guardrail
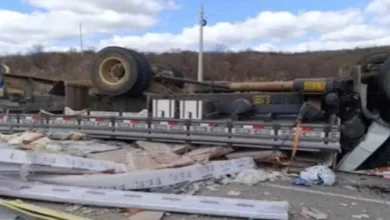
(259, 134)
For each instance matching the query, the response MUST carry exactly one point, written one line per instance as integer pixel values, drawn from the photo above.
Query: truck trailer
(130, 98)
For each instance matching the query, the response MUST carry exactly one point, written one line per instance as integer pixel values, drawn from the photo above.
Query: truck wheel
(175, 73)
(372, 59)
(115, 71)
(383, 79)
(144, 74)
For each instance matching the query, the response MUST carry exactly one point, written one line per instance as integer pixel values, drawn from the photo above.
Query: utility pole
(202, 22)
(81, 40)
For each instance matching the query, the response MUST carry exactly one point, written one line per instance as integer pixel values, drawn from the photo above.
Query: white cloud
(381, 7)
(278, 30)
(55, 20)
(272, 26)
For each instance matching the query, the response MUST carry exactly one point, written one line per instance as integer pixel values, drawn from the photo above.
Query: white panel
(164, 107)
(150, 178)
(202, 205)
(193, 107)
(58, 161)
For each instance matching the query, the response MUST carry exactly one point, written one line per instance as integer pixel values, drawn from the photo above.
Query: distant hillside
(218, 65)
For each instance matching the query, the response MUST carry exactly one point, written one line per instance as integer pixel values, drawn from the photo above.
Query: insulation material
(44, 144)
(243, 208)
(204, 154)
(161, 155)
(8, 137)
(143, 160)
(26, 138)
(117, 156)
(150, 178)
(251, 177)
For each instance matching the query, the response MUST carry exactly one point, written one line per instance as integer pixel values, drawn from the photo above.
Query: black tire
(383, 79)
(144, 74)
(176, 73)
(129, 63)
(375, 58)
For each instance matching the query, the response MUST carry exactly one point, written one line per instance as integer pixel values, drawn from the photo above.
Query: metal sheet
(254, 209)
(57, 161)
(151, 178)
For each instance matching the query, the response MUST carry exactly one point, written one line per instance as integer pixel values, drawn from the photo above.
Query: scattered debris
(204, 154)
(350, 188)
(313, 213)
(194, 188)
(72, 160)
(144, 160)
(25, 138)
(132, 211)
(361, 216)
(213, 187)
(73, 208)
(252, 177)
(43, 144)
(159, 156)
(147, 215)
(225, 180)
(234, 193)
(378, 189)
(117, 156)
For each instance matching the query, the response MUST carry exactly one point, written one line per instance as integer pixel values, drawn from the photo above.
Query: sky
(171, 25)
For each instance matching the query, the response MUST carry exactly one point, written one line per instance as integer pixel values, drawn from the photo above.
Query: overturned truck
(346, 117)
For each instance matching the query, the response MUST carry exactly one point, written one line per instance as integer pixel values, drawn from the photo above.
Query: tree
(36, 49)
(221, 48)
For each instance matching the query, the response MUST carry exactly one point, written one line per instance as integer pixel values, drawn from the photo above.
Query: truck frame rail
(274, 134)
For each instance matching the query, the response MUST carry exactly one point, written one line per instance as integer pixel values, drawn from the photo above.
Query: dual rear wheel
(120, 71)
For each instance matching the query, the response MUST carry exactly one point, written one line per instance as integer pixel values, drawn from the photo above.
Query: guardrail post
(229, 124)
(188, 127)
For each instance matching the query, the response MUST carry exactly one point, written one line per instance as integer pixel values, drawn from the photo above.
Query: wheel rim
(112, 71)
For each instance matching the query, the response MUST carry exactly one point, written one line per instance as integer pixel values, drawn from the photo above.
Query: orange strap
(297, 135)
(296, 140)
